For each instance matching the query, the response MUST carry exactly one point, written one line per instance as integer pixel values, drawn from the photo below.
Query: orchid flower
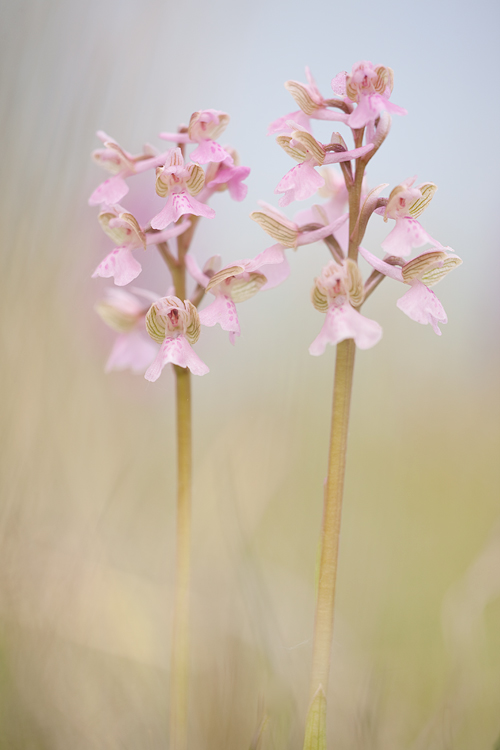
(303, 181)
(179, 184)
(175, 325)
(237, 282)
(425, 270)
(405, 204)
(370, 87)
(125, 313)
(227, 175)
(311, 103)
(125, 231)
(204, 127)
(288, 233)
(337, 292)
(121, 164)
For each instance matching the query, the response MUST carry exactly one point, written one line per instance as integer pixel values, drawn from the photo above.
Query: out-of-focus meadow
(88, 460)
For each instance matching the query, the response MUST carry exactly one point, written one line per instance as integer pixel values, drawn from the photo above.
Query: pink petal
(346, 323)
(233, 177)
(271, 255)
(120, 264)
(338, 84)
(177, 205)
(379, 265)
(134, 351)
(421, 305)
(275, 274)
(369, 108)
(222, 311)
(299, 183)
(281, 124)
(334, 157)
(179, 352)
(110, 191)
(407, 234)
(210, 151)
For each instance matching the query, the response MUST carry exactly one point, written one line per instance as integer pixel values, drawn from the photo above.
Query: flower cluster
(154, 330)
(360, 101)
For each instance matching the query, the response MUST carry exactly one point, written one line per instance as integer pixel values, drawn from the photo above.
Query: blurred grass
(87, 545)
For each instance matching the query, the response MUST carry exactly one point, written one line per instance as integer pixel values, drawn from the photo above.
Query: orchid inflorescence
(142, 318)
(154, 331)
(362, 102)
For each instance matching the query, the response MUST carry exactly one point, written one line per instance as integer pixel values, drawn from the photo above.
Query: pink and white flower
(337, 292)
(227, 175)
(404, 205)
(175, 325)
(303, 181)
(235, 283)
(312, 105)
(179, 183)
(125, 231)
(125, 313)
(289, 233)
(204, 127)
(370, 87)
(425, 270)
(121, 164)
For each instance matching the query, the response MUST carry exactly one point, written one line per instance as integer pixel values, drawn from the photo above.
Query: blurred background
(88, 460)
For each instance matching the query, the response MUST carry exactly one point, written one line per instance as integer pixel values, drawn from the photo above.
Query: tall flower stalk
(362, 103)
(157, 331)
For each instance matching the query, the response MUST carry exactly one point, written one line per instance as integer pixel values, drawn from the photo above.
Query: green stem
(330, 532)
(180, 638)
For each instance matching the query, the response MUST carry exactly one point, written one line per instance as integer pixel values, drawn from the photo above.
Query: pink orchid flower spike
(204, 127)
(337, 292)
(427, 269)
(175, 325)
(404, 205)
(179, 183)
(121, 164)
(125, 231)
(370, 87)
(125, 313)
(303, 181)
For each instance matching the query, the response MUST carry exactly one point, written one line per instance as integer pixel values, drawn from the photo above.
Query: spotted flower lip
(420, 273)
(370, 87)
(121, 164)
(204, 127)
(337, 291)
(175, 325)
(404, 205)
